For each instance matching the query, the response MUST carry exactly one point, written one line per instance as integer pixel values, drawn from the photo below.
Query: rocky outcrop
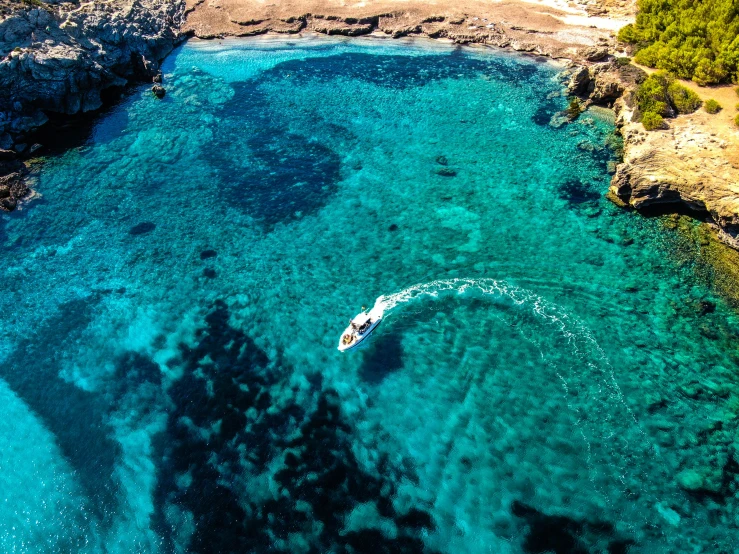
(516, 25)
(603, 83)
(692, 165)
(12, 183)
(60, 58)
(57, 59)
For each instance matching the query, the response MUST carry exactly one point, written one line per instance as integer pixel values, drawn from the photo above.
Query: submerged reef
(234, 420)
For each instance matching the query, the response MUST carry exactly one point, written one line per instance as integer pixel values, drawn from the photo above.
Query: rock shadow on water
(77, 418)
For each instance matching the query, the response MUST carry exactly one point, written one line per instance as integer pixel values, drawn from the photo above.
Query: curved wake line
(550, 312)
(612, 419)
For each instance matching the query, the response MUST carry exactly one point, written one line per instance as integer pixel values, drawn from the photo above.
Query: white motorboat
(360, 328)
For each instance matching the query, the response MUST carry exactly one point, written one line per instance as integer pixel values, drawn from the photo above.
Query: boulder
(579, 81)
(594, 53)
(684, 167)
(159, 91)
(607, 87)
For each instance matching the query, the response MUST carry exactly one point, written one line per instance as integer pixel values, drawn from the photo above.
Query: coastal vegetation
(652, 121)
(712, 106)
(660, 96)
(693, 40)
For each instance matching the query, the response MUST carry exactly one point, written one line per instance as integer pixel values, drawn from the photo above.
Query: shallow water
(552, 376)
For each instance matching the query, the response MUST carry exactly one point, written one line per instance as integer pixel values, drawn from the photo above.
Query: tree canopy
(694, 39)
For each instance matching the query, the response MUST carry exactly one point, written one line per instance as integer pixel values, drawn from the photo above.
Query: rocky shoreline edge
(63, 58)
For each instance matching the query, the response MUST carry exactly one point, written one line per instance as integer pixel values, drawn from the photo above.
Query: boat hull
(359, 337)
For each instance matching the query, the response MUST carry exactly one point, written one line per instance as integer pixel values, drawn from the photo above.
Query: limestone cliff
(694, 163)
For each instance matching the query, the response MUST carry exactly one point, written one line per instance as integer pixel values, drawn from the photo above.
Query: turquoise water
(551, 375)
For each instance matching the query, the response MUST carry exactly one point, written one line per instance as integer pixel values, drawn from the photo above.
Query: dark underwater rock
(577, 192)
(206, 254)
(8, 204)
(159, 91)
(565, 535)
(309, 454)
(446, 172)
(142, 228)
(209, 272)
(706, 307)
(442, 160)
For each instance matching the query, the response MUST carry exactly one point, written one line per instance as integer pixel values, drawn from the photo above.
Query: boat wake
(608, 427)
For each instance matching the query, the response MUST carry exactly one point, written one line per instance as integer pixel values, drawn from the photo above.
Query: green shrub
(661, 94)
(622, 61)
(652, 121)
(711, 106)
(693, 39)
(736, 120)
(652, 93)
(737, 91)
(683, 99)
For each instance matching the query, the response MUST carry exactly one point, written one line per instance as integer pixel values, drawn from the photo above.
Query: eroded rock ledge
(694, 164)
(534, 28)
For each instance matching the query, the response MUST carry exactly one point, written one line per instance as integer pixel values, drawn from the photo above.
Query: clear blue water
(171, 306)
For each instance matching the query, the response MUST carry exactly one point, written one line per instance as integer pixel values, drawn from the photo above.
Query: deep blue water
(552, 377)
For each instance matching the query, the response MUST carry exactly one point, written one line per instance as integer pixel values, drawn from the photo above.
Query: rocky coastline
(692, 167)
(61, 58)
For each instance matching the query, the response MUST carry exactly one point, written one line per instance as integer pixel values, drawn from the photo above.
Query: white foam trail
(607, 419)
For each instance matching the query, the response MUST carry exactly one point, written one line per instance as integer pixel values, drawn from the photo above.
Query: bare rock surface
(60, 58)
(694, 163)
(543, 27)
